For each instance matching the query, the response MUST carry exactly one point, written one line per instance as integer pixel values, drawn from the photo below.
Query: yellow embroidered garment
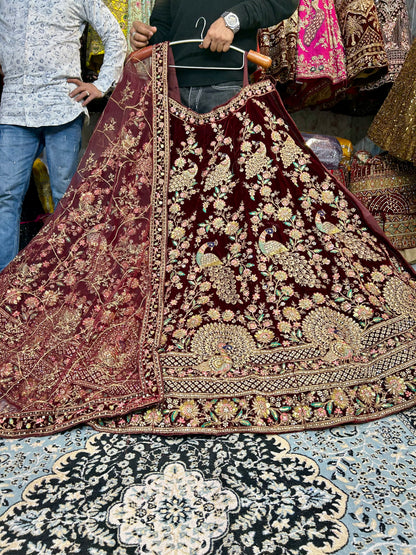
(95, 48)
(394, 126)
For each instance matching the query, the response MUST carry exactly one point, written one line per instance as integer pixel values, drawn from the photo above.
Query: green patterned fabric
(140, 10)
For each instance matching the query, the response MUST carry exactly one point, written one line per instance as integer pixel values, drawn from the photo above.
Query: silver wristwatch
(231, 21)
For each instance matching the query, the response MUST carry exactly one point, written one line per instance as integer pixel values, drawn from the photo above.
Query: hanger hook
(203, 28)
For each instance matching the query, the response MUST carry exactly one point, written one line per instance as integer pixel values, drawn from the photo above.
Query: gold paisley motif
(290, 152)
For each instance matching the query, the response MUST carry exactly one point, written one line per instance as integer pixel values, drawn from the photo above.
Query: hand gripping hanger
(252, 55)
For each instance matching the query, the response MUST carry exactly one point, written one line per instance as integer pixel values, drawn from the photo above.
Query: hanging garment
(394, 126)
(395, 26)
(204, 274)
(279, 43)
(362, 37)
(320, 67)
(387, 187)
(320, 49)
(307, 55)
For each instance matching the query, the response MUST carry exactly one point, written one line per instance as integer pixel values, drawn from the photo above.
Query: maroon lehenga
(204, 274)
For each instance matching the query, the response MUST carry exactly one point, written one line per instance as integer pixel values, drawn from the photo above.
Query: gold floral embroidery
(183, 293)
(290, 152)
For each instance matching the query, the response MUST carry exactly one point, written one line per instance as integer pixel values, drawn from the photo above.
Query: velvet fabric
(204, 274)
(395, 26)
(362, 36)
(279, 43)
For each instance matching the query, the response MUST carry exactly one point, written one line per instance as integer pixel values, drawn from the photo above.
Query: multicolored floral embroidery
(278, 303)
(228, 273)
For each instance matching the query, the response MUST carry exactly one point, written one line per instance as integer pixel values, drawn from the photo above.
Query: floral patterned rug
(347, 490)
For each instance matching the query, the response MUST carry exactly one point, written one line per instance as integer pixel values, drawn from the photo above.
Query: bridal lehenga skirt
(203, 274)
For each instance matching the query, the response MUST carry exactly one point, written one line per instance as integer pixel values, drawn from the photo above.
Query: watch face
(232, 21)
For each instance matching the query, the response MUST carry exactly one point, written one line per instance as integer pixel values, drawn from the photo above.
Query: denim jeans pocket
(230, 87)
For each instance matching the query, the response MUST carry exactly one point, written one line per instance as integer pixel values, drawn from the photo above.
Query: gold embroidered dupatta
(82, 306)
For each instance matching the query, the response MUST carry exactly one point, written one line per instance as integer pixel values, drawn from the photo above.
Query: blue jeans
(19, 147)
(204, 99)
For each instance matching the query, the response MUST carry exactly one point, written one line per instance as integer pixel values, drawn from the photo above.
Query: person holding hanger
(226, 23)
(44, 99)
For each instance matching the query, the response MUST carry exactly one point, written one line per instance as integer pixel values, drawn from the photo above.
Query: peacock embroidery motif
(220, 174)
(183, 180)
(351, 242)
(223, 279)
(338, 336)
(295, 264)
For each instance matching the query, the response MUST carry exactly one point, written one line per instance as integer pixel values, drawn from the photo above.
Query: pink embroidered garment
(320, 48)
(321, 72)
(204, 274)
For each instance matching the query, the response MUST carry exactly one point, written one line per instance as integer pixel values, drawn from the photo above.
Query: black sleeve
(161, 18)
(256, 14)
